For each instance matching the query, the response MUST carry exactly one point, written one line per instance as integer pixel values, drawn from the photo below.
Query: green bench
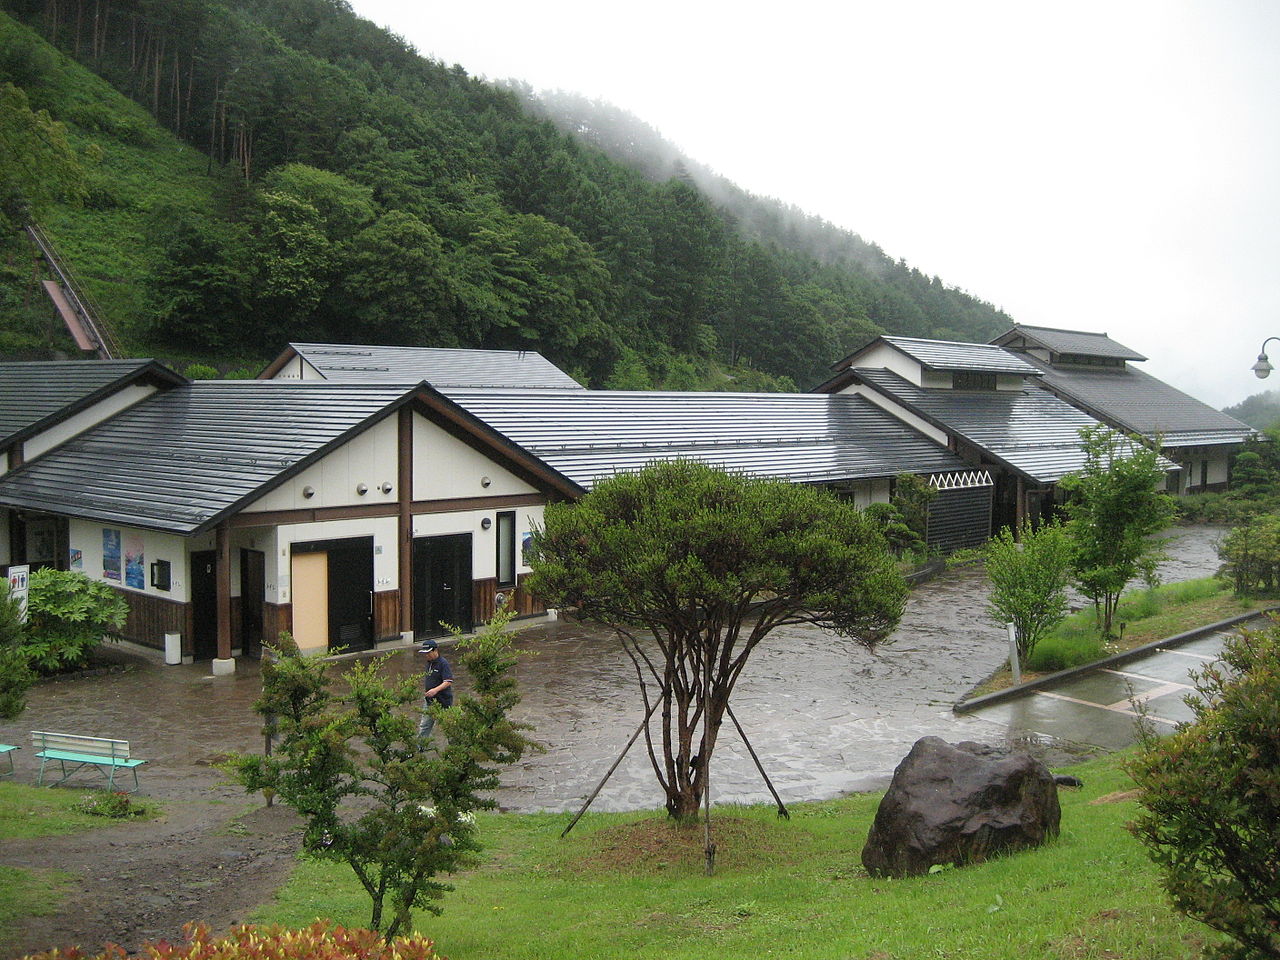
(7, 749)
(107, 756)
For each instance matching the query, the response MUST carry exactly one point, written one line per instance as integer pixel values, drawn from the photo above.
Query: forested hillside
(1261, 410)
(313, 178)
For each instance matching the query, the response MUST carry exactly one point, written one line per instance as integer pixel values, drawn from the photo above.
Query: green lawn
(621, 887)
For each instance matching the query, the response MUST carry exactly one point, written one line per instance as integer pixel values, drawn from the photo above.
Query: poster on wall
(134, 575)
(110, 554)
(526, 544)
(77, 559)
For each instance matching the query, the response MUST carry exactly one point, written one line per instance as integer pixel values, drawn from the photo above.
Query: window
(507, 548)
(969, 380)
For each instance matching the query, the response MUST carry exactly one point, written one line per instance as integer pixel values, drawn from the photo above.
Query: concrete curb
(1010, 693)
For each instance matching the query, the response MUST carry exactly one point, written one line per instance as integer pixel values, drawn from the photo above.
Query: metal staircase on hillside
(82, 318)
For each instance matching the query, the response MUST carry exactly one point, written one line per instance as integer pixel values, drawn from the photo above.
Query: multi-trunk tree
(694, 568)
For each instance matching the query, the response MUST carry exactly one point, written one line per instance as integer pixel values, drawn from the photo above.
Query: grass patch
(1143, 616)
(27, 812)
(30, 893)
(631, 885)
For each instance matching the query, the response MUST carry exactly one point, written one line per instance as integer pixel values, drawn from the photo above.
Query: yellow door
(311, 601)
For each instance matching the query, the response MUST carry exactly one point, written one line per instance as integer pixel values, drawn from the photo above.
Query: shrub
(67, 616)
(117, 805)
(16, 675)
(1251, 555)
(1211, 799)
(1064, 650)
(320, 941)
(200, 371)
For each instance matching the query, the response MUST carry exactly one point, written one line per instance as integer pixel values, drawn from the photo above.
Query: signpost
(19, 584)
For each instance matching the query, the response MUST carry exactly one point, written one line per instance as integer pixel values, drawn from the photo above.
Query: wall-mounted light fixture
(386, 486)
(486, 523)
(308, 492)
(485, 481)
(362, 488)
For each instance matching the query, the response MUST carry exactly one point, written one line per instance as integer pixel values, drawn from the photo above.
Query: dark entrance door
(204, 604)
(351, 594)
(441, 584)
(348, 591)
(253, 594)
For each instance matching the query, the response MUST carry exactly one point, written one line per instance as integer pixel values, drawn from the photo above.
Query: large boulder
(958, 804)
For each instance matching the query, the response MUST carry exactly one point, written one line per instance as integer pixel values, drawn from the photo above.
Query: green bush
(16, 675)
(1065, 649)
(67, 616)
(1211, 799)
(1251, 555)
(117, 805)
(200, 371)
(320, 941)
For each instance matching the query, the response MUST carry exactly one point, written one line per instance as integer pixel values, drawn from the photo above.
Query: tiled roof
(951, 355)
(1078, 342)
(1030, 430)
(183, 458)
(590, 435)
(441, 367)
(35, 395)
(1137, 402)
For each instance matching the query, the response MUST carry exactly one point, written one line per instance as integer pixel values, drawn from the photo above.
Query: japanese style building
(1096, 374)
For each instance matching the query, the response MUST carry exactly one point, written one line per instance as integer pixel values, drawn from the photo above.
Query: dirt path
(207, 861)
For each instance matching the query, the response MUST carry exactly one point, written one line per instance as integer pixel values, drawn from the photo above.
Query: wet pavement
(825, 715)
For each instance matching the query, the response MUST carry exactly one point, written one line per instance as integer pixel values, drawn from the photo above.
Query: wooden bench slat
(87, 758)
(98, 746)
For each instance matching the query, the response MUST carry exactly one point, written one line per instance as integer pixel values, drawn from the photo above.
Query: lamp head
(1262, 369)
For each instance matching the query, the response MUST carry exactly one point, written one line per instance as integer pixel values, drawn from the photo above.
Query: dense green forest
(284, 170)
(1262, 410)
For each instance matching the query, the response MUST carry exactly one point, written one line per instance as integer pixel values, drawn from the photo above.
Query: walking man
(438, 684)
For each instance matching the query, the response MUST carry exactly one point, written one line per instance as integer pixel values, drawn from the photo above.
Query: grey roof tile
(1078, 342)
(951, 355)
(34, 395)
(181, 459)
(1137, 402)
(441, 367)
(1030, 429)
(812, 438)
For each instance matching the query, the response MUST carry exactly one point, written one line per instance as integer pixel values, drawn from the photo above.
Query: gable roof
(439, 366)
(1078, 342)
(806, 438)
(1030, 431)
(1136, 402)
(183, 460)
(949, 355)
(37, 395)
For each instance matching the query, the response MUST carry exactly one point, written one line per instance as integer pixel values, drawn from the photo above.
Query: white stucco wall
(883, 355)
(298, 369)
(369, 458)
(445, 468)
(1009, 381)
(87, 537)
(62, 432)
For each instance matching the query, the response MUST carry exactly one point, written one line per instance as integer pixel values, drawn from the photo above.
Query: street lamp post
(1262, 369)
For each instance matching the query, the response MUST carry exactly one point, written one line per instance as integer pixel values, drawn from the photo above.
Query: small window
(507, 548)
(969, 380)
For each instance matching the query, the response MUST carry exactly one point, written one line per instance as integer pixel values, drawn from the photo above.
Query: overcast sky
(1106, 166)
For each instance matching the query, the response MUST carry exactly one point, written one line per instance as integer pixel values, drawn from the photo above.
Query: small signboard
(19, 584)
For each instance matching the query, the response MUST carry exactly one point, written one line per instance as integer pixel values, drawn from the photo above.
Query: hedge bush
(1211, 799)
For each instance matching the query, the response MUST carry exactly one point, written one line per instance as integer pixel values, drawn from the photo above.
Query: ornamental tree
(1115, 509)
(1210, 795)
(1029, 576)
(397, 811)
(707, 564)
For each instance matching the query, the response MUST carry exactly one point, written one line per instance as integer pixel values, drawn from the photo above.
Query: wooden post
(1020, 508)
(222, 546)
(404, 525)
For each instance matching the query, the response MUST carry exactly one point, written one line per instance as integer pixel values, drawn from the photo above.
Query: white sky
(1107, 166)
